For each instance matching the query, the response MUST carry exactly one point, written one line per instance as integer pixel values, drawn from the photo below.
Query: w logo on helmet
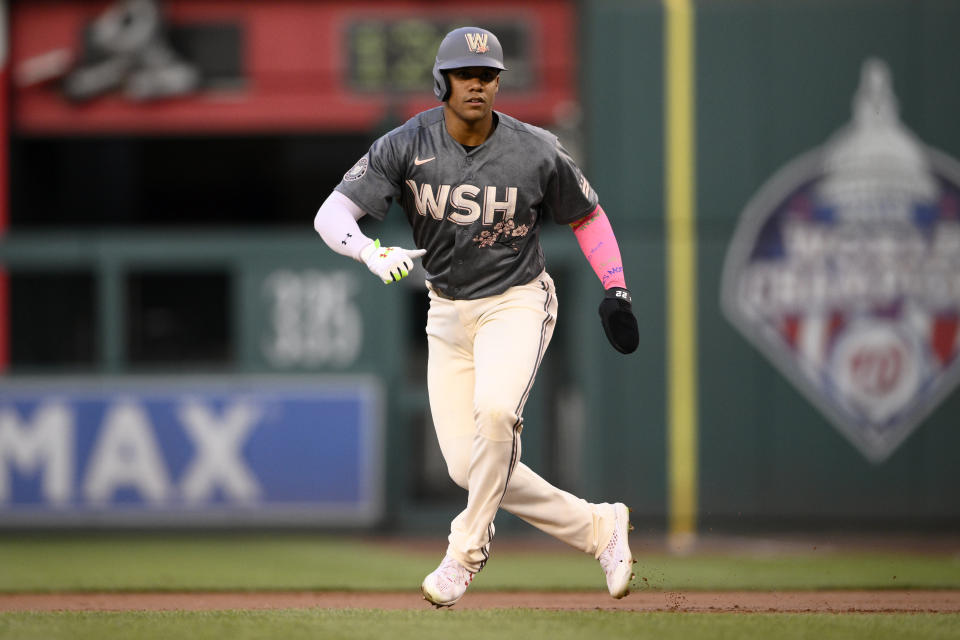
(477, 42)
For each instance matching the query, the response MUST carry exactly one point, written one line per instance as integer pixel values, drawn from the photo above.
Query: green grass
(119, 562)
(475, 625)
(281, 562)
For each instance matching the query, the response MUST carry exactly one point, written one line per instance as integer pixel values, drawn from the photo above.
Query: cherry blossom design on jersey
(504, 233)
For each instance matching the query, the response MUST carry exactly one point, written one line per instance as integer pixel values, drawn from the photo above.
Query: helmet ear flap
(441, 87)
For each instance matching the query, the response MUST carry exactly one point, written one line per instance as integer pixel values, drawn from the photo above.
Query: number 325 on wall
(312, 319)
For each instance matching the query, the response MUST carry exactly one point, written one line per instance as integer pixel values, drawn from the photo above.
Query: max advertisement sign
(844, 271)
(169, 451)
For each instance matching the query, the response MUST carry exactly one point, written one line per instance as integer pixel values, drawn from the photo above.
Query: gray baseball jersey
(477, 212)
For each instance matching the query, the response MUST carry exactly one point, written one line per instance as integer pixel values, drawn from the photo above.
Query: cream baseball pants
(483, 358)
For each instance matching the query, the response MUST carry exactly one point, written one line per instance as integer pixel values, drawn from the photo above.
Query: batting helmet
(465, 47)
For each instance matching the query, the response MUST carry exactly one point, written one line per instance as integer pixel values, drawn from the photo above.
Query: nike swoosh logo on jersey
(417, 161)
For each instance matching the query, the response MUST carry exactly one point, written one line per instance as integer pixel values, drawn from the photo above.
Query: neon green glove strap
(390, 264)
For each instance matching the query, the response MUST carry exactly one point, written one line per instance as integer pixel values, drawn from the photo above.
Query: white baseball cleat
(447, 583)
(616, 559)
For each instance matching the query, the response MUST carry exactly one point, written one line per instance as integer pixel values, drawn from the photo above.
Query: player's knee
(496, 420)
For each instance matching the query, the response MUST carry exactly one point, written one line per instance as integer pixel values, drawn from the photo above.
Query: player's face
(472, 91)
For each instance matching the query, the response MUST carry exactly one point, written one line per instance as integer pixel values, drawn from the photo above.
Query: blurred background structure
(178, 347)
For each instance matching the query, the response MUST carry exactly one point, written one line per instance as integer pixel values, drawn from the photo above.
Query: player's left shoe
(616, 559)
(447, 583)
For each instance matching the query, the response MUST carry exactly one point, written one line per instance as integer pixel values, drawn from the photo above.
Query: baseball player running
(476, 186)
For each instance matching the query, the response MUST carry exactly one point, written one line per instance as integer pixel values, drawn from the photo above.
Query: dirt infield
(690, 601)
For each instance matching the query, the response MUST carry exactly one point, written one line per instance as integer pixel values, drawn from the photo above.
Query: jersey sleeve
(569, 195)
(374, 181)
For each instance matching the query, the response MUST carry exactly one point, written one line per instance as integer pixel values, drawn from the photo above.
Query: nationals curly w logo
(845, 272)
(477, 42)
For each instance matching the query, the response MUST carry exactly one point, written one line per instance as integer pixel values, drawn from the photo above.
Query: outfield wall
(770, 82)
(720, 137)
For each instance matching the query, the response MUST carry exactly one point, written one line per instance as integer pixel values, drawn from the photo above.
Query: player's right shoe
(447, 583)
(616, 559)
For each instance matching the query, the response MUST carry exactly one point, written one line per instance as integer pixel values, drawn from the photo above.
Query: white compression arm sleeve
(336, 222)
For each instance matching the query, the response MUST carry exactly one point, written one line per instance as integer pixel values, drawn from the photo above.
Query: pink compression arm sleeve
(599, 245)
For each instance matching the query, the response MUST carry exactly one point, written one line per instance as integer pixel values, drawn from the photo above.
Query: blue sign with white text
(171, 451)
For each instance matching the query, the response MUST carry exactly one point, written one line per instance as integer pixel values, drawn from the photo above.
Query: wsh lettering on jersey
(464, 204)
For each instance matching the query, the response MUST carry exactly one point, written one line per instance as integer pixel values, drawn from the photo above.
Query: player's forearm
(336, 222)
(599, 245)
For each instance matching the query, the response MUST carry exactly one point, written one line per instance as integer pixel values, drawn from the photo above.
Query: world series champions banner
(179, 451)
(844, 271)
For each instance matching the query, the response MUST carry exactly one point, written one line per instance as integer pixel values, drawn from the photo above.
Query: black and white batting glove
(619, 323)
(390, 264)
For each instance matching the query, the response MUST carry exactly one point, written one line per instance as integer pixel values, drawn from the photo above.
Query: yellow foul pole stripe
(681, 271)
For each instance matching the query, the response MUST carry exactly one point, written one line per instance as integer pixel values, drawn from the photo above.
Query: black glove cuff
(619, 293)
(619, 323)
